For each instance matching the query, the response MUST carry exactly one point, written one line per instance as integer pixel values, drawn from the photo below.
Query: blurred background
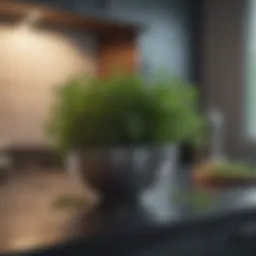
(211, 44)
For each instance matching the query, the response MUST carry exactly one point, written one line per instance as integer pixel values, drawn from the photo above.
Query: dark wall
(222, 66)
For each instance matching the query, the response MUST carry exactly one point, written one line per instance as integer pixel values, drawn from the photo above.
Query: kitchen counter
(28, 221)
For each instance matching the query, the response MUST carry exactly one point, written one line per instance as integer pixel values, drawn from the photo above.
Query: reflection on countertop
(27, 216)
(28, 219)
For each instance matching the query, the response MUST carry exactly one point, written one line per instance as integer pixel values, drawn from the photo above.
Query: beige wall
(32, 63)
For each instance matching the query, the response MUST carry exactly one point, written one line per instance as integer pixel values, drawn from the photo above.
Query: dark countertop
(176, 218)
(230, 232)
(167, 203)
(168, 218)
(183, 208)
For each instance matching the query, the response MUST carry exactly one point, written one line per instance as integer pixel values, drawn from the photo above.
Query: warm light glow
(23, 38)
(25, 243)
(33, 62)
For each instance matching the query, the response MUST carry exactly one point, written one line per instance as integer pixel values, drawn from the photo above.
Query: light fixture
(31, 18)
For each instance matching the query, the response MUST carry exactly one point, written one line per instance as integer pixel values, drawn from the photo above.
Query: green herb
(124, 110)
